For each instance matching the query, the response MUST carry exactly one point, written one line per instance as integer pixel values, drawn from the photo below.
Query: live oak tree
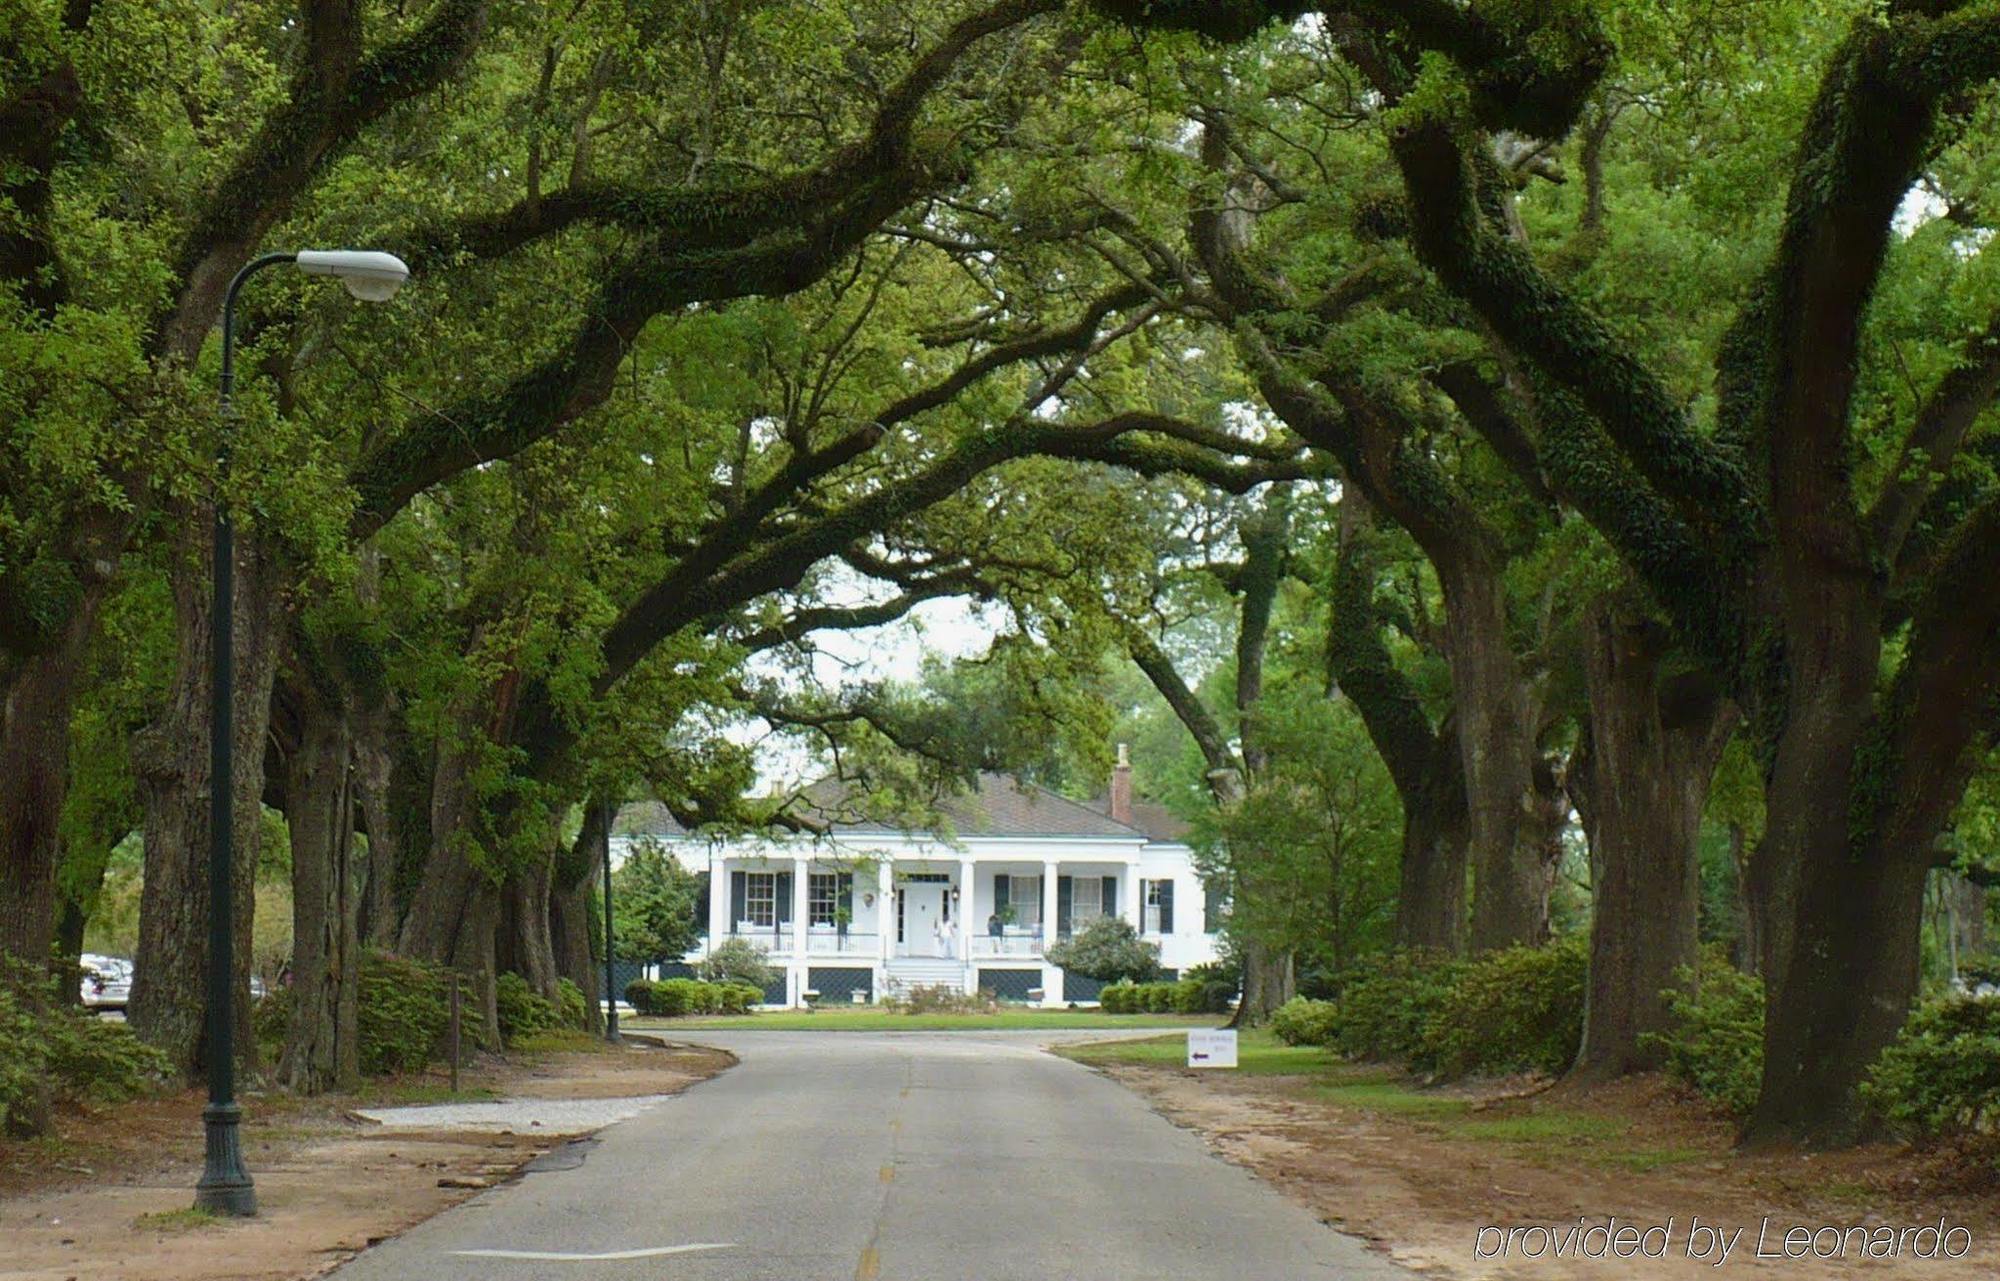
(1812, 539)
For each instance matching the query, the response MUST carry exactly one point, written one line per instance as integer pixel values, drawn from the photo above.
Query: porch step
(906, 973)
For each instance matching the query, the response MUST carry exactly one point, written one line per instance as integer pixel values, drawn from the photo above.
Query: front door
(920, 916)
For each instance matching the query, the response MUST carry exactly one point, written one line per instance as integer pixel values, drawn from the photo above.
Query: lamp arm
(248, 270)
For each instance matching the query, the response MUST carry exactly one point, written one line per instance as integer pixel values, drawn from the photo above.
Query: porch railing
(988, 945)
(825, 941)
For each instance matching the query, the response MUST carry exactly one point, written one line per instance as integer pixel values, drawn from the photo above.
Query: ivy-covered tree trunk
(171, 761)
(1430, 904)
(1652, 751)
(34, 779)
(322, 1043)
(1496, 716)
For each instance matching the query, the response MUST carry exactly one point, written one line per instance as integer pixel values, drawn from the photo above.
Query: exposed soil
(1421, 1190)
(106, 1198)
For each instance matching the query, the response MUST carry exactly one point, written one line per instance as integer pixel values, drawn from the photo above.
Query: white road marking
(542, 1257)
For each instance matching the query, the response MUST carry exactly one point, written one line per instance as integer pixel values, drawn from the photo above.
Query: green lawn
(1545, 1134)
(1258, 1053)
(865, 1019)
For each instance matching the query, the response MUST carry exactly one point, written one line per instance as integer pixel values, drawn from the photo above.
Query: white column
(800, 868)
(1049, 870)
(885, 907)
(718, 899)
(1130, 906)
(966, 891)
(1051, 976)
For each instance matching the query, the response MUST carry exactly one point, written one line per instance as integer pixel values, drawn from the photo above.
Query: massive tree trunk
(171, 762)
(1496, 716)
(322, 1043)
(575, 943)
(374, 782)
(525, 946)
(1268, 982)
(1653, 750)
(34, 779)
(455, 910)
(1430, 906)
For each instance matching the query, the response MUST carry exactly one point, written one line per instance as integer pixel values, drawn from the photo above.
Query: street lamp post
(610, 975)
(225, 1186)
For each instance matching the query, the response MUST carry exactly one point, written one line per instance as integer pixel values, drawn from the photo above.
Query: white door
(923, 909)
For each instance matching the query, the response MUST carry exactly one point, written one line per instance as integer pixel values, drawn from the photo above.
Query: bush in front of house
(639, 994)
(672, 996)
(405, 1010)
(1304, 1021)
(1110, 950)
(1519, 1009)
(1118, 998)
(737, 998)
(942, 998)
(1940, 1078)
(737, 960)
(1219, 985)
(523, 1011)
(1715, 1041)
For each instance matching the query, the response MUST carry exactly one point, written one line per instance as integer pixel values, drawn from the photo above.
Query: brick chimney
(1121, 788)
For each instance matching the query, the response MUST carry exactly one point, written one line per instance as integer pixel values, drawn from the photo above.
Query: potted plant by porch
(843, 916)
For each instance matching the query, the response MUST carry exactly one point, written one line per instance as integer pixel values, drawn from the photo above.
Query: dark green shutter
(1215, 900)
(739, 898)
(784, 891)
(1001, 886)
(1065, 905)
(1109, 903)
(1166, 907)
(703, 880)
(1143, 883)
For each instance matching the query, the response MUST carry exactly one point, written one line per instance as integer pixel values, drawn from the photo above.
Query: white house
(885, 910)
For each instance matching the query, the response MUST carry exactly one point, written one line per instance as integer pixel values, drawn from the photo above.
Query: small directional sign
(1211, 1048)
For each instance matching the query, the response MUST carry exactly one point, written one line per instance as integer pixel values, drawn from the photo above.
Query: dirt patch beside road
(107, 1200)
(1420, 1173)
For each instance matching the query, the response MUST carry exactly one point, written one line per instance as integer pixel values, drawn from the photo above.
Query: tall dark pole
(225, 1186)
(610, 994)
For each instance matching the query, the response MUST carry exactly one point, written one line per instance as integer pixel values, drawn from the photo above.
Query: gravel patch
(516, 1116)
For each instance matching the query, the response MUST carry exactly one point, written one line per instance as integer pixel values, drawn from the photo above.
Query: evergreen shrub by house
(1218, 984)
(1940, 1078)
(1117, 998)
(1304, 1021)
(674, 996)
(640, 994)
(737, 960)
(1715, 1041)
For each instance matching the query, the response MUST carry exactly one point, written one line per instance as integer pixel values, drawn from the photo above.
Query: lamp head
(369, 275)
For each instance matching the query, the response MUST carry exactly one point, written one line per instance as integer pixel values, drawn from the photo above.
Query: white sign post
(1211, 1048)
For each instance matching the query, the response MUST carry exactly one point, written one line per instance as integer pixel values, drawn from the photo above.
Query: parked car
(106, 982)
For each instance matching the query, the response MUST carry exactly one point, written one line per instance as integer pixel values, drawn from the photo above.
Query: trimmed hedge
(1516, 1010)
(1184, 996)
(674, 997)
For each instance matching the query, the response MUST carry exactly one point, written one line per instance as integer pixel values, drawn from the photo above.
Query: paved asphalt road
(852, 1156)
